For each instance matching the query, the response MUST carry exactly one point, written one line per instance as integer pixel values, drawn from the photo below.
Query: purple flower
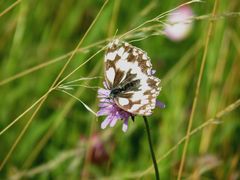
(114, 113)
(98, 148)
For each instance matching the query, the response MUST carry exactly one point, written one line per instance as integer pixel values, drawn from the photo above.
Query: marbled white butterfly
(129, 77)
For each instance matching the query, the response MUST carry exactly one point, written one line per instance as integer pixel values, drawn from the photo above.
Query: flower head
(98, 148)
(179, 24)
(110, 109)
(114, 113)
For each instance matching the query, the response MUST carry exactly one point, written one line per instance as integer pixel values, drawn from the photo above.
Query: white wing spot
(110, 73)
(144, 57)
(134, 52)
(148, 113)
(120, 51)
(135, 107)
(124, 56)
(153, 91)
(153, 105)
(142, 111)
(149, 72)
(111, 56)
(148, 63)
(144, 101)
(148, 107)
(122, 65)
(123, 101)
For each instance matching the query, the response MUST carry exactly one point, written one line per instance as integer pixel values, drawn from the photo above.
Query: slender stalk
(151, 148)
(195, 100)
(9, 8)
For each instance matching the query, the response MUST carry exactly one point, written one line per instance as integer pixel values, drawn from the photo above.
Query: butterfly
(129, 78)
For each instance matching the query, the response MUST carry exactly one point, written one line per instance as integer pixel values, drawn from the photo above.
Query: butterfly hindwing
(130, 68)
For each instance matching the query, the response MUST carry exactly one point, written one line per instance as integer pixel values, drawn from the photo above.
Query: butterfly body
(128, 75)
(129, 86)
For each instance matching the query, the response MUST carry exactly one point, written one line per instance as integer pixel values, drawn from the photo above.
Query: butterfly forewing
(129, 68)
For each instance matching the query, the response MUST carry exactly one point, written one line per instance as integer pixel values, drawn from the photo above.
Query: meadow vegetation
(51, 65)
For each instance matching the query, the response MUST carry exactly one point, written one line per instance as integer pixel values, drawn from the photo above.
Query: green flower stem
(151, 148)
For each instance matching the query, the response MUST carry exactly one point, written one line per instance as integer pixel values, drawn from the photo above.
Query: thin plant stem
(209, 32)
(151, 148)
(10, 8)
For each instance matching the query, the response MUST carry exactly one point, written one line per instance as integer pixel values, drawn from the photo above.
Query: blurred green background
(64, 139)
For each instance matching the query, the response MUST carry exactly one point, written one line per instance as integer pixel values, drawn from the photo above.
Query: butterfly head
(114, 92)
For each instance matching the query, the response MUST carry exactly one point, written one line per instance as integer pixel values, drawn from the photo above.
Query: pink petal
(125, 126)
(106, 122)
(103, 92)
(113, 122)
(103, 112)
(160, 104)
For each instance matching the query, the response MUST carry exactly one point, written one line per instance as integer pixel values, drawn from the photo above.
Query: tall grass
(46, 133)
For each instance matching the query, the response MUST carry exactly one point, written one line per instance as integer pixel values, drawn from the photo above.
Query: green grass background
(36, 32)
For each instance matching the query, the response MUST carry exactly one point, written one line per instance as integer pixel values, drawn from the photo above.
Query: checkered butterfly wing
(128, 70)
